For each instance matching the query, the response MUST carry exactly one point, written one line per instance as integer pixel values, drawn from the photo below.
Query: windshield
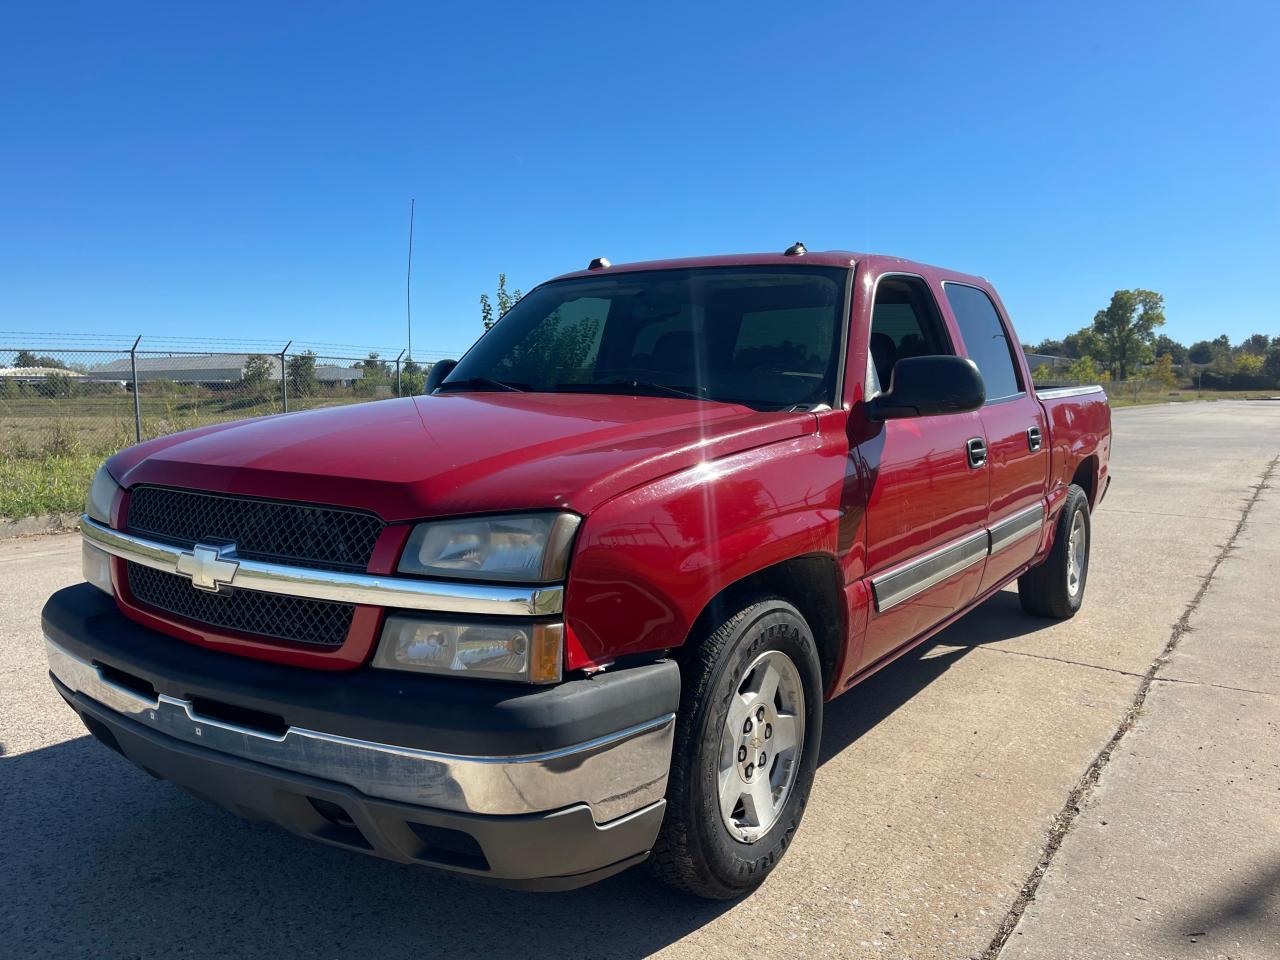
(767, 337)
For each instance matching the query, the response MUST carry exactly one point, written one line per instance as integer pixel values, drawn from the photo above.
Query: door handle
(1034, 439)
(977, 450)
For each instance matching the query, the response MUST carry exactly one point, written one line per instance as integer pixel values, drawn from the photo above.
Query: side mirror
(435, 376)
(927, 386)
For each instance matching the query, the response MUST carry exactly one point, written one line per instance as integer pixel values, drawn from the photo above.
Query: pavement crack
(1215, 686)
(1079, 795)
(1073, 663)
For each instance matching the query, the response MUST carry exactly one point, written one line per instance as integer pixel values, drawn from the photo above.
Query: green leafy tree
(301, 371)
(1256, 345)
(506, 300)
(1084, 370)
(1176, 351)
(1200, 352)
(1082, 343)
(1127, 328)
(1050, 348)
(25, 358)
(376, 373)
(1045, 373)
(257, 372)
(1271, 364)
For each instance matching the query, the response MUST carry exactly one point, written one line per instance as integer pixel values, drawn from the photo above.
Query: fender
(649, 561)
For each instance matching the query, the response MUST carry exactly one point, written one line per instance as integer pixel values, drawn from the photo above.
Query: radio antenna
(408, 277)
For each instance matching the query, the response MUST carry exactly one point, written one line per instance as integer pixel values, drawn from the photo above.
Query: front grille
(270, 615)
(297, 534)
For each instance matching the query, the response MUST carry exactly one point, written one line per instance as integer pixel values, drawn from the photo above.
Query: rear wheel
(1056, 587)
(745, 749)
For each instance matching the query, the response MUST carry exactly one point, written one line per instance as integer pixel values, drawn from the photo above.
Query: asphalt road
(1103, 787)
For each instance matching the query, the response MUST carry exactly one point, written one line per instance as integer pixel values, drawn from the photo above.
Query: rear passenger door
(1014, 424)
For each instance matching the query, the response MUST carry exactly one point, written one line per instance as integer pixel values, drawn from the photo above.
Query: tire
(696, 852)
(1054, 588)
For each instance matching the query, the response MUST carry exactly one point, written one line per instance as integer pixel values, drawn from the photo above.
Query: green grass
(48, 484)
(1120, 396)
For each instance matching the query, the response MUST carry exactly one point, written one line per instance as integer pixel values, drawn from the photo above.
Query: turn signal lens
(97, 567)
(529, 652)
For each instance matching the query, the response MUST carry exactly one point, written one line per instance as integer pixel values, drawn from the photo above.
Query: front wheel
(746, 746)
(1056, 587)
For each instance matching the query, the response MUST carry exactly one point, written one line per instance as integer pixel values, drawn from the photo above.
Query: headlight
(493, 651)
(102, 493)
(528, 548)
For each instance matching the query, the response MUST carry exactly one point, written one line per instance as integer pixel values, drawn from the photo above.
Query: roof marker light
(599, 263)
(797, 249)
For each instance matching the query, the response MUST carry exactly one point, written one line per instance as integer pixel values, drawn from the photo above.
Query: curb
(36, 526)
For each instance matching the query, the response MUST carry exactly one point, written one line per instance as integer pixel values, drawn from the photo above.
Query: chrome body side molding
(920, 573)
(404, 593)
(1058, 393)
(1016, 527)
(615, 774)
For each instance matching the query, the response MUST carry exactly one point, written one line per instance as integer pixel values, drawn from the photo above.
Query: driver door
(928, 488)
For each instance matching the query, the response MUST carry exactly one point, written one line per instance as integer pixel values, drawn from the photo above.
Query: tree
(1084, 371)
(1050, 348)
(301, 371)
(25, 358)
(1127, 328)
(1256, 344)
(1163, 373)
(1271, 364)
(506, 300)
(257, 371)
(1045, 373)
(1200, 352)
(1249, 364)
(1082, 343)
(1177, 352)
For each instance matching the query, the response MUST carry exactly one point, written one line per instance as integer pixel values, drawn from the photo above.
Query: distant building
(215, 369)
(37, 374)
(1037, 360)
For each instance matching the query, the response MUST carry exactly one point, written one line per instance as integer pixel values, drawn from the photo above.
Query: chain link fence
(64, 411)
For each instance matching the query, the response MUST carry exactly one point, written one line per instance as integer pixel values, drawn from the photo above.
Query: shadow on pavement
(1248, 913)
(100, 860)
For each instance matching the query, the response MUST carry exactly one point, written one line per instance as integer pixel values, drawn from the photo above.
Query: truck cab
(580, 605)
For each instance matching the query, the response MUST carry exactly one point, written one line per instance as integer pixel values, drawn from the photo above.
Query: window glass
(985, 339)
(797, 341)
(767, 337)
(905, 323)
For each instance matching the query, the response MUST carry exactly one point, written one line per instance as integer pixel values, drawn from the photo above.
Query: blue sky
(244, 170)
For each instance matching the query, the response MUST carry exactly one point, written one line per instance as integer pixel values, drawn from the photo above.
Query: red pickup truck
(582, 603)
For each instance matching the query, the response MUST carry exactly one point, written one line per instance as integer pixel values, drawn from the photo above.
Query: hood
(458, 453)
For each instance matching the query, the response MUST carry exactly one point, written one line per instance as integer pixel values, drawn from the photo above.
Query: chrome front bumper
(614, 775)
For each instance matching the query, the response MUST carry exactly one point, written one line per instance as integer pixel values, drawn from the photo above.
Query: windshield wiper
(630, 386)
(480, 383)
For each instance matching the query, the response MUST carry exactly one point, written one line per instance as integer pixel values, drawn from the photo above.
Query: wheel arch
(1086, 478)
(811, 583)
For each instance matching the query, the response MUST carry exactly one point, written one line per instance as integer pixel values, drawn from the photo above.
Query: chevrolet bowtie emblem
(208, 567)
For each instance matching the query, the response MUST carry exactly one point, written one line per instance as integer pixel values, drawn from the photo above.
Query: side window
(984, 339)
(905, 322)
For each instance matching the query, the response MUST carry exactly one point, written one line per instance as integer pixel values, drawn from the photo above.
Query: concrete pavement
(942, 780)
